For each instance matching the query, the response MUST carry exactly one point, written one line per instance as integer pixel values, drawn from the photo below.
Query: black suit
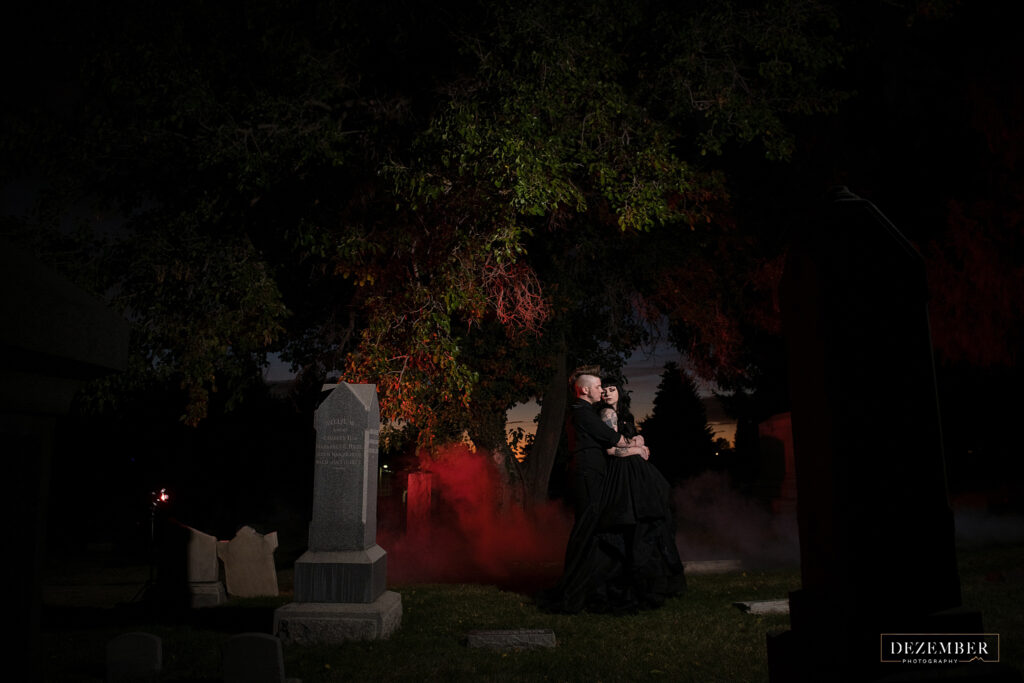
(587, 567)
(589, 441)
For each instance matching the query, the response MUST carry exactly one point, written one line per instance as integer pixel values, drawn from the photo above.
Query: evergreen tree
(677, 432)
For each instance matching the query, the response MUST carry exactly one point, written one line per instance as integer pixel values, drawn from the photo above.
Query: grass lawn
(699, 636)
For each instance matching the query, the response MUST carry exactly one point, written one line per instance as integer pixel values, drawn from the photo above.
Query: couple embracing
(621, 554)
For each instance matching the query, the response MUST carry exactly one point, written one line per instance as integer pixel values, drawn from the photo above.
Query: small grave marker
(511, 639)
(252, 658)
(134, 658)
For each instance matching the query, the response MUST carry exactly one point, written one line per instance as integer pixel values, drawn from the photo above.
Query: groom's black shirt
(589, 439)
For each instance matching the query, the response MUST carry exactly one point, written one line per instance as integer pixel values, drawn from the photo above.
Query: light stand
(156, 499)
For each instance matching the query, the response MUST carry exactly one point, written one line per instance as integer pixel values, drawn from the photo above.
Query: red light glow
(474, 535)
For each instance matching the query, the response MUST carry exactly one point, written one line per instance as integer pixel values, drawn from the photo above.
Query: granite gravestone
(340, 580)
(876, 530)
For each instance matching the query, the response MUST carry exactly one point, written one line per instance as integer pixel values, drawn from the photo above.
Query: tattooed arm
(624, 448)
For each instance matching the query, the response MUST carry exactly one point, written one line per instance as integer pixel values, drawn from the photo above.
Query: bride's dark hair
(627, 423)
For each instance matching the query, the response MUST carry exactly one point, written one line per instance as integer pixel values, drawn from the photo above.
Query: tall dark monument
(54, 338)
(877, 547)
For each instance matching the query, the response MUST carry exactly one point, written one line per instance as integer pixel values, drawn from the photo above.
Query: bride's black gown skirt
(622, 553)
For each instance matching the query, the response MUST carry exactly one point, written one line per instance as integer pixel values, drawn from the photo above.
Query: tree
(677, 432)
(581, 147)
(457, 205)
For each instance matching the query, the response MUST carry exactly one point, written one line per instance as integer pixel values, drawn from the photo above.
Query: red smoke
(474, 533)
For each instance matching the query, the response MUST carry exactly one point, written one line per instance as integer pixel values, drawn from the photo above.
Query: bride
(636, 498)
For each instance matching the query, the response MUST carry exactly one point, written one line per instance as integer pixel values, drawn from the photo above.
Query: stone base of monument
(207, 593)
(336, 622)
(341, 576)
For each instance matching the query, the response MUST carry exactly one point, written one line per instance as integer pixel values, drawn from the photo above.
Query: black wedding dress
(638, 526)
(622, 554)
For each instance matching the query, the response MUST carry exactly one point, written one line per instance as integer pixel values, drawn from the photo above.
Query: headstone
(512, 639)
(868, 450)
(252, 658)
(134, 658)
(204, 570)
(764, 606)
(712, 566)
(778, 462)
(340, 580)
(249, 563)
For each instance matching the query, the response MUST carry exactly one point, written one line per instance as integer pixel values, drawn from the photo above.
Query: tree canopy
(456, 201)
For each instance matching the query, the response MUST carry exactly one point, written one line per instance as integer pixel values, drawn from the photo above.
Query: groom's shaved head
(588, 387)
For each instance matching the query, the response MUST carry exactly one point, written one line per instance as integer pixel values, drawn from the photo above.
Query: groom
(589, 441)
(584, 582)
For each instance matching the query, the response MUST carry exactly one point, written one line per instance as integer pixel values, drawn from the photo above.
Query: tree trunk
(549, 429)
(488, 433)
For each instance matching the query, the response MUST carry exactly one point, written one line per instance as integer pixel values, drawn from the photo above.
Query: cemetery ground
(699, 636)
